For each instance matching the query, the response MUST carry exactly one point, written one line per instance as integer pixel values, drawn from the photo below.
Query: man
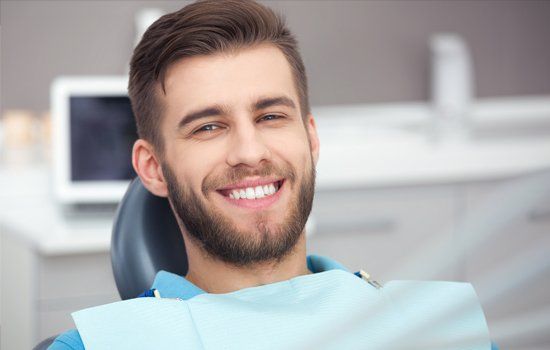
(219, 92)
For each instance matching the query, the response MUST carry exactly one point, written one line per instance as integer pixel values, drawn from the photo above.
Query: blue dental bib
(327, 310)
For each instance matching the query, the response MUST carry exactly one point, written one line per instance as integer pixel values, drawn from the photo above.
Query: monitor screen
(102, 133)
(93, 132)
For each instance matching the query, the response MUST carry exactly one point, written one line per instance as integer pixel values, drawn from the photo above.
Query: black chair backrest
(145, 239)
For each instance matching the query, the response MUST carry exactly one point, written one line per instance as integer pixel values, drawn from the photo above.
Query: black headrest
(146, 238)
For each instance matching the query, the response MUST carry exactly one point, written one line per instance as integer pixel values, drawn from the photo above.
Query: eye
(269, 117)
(207, 128)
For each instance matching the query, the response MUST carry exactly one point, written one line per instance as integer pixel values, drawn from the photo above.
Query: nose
(247, 147)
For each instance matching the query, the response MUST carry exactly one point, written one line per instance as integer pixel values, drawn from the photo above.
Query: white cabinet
(511, 269)
(39, 291)
(383, 230)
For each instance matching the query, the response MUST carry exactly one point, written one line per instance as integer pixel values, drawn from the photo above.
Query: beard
(218, 235)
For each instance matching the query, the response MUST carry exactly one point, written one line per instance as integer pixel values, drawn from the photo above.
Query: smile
(252, 192)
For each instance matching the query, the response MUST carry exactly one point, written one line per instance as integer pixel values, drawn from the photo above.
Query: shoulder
(69, 340)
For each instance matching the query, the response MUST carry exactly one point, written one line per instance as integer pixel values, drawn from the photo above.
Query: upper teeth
(254, 192)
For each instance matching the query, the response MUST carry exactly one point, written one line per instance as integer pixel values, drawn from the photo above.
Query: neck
(215, 276)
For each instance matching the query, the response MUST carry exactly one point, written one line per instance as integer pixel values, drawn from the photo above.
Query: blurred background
(434, 118)
(355, 51)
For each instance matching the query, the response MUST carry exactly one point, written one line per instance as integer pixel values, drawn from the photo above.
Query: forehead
(232, 79)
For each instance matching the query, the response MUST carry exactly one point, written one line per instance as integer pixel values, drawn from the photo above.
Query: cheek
(293, 147)
(194, 163)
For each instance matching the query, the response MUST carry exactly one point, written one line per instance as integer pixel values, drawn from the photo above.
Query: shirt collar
(171, 285)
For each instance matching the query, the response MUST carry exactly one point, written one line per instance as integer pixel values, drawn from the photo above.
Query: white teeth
(250, 193)
(254, 192)
(259, 192)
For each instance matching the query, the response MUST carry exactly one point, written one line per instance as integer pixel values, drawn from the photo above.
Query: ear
(148, 167)
(313, 137)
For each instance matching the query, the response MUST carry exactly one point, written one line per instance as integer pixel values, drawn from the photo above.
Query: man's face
(238, 160)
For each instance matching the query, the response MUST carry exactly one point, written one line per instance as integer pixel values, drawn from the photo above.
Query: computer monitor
(93, 133)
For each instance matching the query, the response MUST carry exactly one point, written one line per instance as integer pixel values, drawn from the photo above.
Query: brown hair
(203, 28)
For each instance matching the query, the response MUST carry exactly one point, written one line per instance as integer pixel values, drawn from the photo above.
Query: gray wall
(355, 51)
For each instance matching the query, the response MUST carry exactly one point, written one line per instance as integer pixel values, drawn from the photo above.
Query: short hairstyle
(203, 28)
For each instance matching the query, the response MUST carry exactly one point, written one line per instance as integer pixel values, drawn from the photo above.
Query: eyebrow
(217, 110)
(211, 111)
(274, 101)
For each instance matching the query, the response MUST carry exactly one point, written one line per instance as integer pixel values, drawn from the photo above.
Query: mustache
(239, 173)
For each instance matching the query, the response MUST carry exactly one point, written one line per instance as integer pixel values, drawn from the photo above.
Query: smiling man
(219, 93)
(237, 163)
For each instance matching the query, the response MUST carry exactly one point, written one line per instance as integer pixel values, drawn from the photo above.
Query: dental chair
(145, 240)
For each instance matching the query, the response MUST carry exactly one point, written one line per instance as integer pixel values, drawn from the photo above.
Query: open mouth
(253, 192)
